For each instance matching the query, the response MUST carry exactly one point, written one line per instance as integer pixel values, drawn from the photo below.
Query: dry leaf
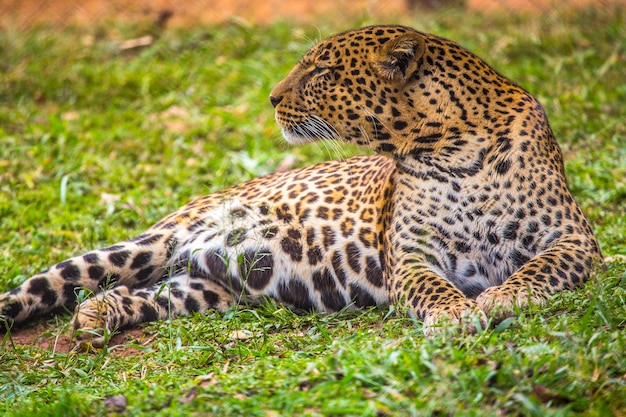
(369, 394)
(136, 43)
(546, 395)
(116, 403)
(189, 396)
(204, 381)
(241, 335)
(70, 115)
(286, 164)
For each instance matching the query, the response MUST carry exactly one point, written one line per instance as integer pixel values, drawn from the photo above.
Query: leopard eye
(317, 70)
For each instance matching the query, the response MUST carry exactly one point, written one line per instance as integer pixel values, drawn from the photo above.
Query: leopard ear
(397, 59)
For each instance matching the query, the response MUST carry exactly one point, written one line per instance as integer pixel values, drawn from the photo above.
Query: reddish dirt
(120, 344)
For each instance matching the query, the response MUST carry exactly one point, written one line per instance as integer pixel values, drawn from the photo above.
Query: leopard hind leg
(134, 263)
(198, 279)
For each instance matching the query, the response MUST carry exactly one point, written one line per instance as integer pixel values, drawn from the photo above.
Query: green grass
(97, 144)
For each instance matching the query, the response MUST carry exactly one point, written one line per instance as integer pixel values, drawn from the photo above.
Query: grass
(98, 143)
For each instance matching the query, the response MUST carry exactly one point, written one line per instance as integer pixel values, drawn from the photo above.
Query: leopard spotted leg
(566, 265)
(133, 263)
(122, 307)
(416, 265)
(435, 300)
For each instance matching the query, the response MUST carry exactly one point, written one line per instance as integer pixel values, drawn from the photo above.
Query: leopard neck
(461, 148)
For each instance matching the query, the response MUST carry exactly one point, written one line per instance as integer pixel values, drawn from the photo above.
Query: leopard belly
(251, 253)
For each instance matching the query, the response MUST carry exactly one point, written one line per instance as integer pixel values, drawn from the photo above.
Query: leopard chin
(312, 128)
(294, 138)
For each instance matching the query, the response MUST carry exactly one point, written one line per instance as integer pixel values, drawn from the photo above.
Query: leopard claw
(465, 318)
(500, 303)
(91, 325)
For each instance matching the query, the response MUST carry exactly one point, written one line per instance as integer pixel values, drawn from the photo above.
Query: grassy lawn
(97, 143)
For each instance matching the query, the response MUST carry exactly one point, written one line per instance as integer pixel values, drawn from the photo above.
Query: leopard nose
(275, 100)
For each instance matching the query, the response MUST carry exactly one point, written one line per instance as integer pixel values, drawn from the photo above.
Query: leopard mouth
(310, 129)
(294, 138)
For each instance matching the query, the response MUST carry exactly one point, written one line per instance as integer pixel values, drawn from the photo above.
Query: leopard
(462, 216)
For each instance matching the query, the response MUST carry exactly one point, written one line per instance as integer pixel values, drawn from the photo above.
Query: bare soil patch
(122, 344)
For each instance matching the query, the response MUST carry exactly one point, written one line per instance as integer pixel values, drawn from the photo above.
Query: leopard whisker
(365, 135)
(333, 138)
(332, 142)
(325, 129)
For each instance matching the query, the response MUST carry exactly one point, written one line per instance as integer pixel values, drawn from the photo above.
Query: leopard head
(394, 90)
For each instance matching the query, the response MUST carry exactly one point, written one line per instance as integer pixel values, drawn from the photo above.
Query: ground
(121, 344)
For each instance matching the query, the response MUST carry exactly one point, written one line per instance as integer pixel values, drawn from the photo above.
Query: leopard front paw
(462, 316)
(501, 302)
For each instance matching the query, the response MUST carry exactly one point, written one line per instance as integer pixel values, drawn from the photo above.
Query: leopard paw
(463, 316)
(501, 302)
(92, 323)
(7, 314)
(13, 309)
